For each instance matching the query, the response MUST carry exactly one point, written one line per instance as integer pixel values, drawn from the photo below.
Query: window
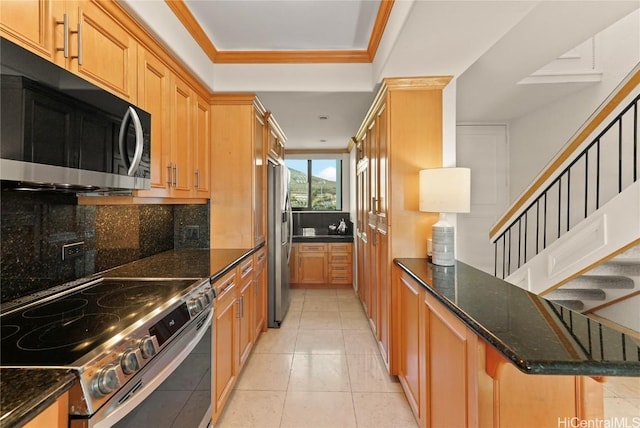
(316, 184)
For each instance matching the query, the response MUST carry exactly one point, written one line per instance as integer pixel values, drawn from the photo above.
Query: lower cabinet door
(224, 332)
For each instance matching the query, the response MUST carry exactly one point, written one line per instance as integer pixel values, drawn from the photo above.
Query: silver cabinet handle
(79, 33)
(132, 166)
(175, 175)
(169, 172)
(65, 33)
(197, 179)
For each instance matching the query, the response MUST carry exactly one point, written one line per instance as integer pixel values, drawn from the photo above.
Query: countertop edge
(548, 367)
(38, 402)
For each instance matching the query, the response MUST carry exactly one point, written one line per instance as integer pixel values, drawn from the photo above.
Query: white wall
(536, 137)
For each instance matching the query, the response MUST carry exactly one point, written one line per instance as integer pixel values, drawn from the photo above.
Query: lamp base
(443, 244)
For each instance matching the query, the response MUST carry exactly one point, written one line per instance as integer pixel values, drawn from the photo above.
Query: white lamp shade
(445, 190)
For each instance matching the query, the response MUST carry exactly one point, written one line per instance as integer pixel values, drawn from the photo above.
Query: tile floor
(322, 369)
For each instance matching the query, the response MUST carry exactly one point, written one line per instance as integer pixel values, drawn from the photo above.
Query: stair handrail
(624, 98)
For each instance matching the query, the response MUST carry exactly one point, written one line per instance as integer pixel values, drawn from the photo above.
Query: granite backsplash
(320, 221)
(34, 226)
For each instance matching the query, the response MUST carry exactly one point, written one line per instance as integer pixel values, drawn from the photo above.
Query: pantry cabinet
(238, 182)
(400, 135)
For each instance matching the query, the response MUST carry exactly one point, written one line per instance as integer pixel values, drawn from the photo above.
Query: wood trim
(292, 57)
(315, 152)
(232, 99)
(591, 311)
(134, 200)
(384, 11)
(551, 169)
(147, 41)
(184, 15)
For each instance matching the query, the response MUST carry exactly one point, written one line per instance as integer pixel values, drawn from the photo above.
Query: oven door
(172, 391)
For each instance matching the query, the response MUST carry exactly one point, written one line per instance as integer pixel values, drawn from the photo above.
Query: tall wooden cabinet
(238, 175)
(400, 135)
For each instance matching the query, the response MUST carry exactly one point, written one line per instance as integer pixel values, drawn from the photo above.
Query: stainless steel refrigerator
(279, 235)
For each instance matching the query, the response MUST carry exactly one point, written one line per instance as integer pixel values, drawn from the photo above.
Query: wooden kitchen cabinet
(238, 181)
(99, 48)
(453, 378)
(54, 416)
(245, 303)
(275, 143)
(340, 263)
(224, 341)
(240, 316)
(312, 265)
(260, 300)
(31, 24)
(400, 135)
(201, 148)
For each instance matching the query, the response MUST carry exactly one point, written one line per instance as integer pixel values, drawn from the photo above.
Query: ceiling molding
(182, 12)
(384, 11)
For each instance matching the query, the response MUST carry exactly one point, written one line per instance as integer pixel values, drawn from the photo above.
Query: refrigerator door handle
(290, 213)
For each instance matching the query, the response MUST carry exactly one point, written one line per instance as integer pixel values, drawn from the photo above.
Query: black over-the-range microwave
(59, 131)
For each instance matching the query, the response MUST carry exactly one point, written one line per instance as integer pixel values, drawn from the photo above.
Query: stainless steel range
(123, 337)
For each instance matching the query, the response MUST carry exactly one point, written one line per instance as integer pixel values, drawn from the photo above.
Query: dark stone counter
(536, 335)
(323, 238)
(24, 393)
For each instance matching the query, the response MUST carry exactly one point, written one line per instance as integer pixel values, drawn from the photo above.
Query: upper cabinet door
(154, 95)
(182, 99)
(32, 24)
(201, 147)
(106, 52)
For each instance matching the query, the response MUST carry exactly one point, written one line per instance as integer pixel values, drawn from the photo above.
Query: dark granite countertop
(323, 238)
(24, 393)
(188, 263)
(538, 336)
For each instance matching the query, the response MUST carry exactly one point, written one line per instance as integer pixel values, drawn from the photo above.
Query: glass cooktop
(60, 331)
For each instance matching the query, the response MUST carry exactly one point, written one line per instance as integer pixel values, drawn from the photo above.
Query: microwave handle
(122, 141)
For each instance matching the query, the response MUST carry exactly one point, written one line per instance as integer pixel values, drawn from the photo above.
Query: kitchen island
(27, 392)
(473, 350)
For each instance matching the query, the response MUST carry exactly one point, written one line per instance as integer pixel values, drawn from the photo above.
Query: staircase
(603, 285)
(574, 235)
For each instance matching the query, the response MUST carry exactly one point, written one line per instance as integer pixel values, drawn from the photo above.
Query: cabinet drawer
(225, 287)
(260, 257)
(340, 258)
(316, 248)
(340, 269)
(343, 247)
(340, 278)
(246, 267)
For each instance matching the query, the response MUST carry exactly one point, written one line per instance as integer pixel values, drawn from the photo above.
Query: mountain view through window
(315, 184)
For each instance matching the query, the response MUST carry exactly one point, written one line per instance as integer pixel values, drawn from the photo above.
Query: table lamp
(445, 190)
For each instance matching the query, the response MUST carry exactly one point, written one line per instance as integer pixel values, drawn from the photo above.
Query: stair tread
(578, 294)
(603, 281)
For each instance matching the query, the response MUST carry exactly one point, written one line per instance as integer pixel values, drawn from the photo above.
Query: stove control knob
(130, 361)
(195, 306)
(106, 381)
(204, 301)
(148, 347)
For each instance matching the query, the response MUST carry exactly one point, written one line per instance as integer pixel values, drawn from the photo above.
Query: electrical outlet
(72, 250)
(191, 232)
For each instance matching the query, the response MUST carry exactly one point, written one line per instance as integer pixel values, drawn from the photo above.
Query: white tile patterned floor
(322, 369)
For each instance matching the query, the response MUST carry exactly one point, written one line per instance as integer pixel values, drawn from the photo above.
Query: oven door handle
(147, 388)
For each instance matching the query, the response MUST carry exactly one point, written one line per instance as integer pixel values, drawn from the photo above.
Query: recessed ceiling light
(323, 117)
(323, 141)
